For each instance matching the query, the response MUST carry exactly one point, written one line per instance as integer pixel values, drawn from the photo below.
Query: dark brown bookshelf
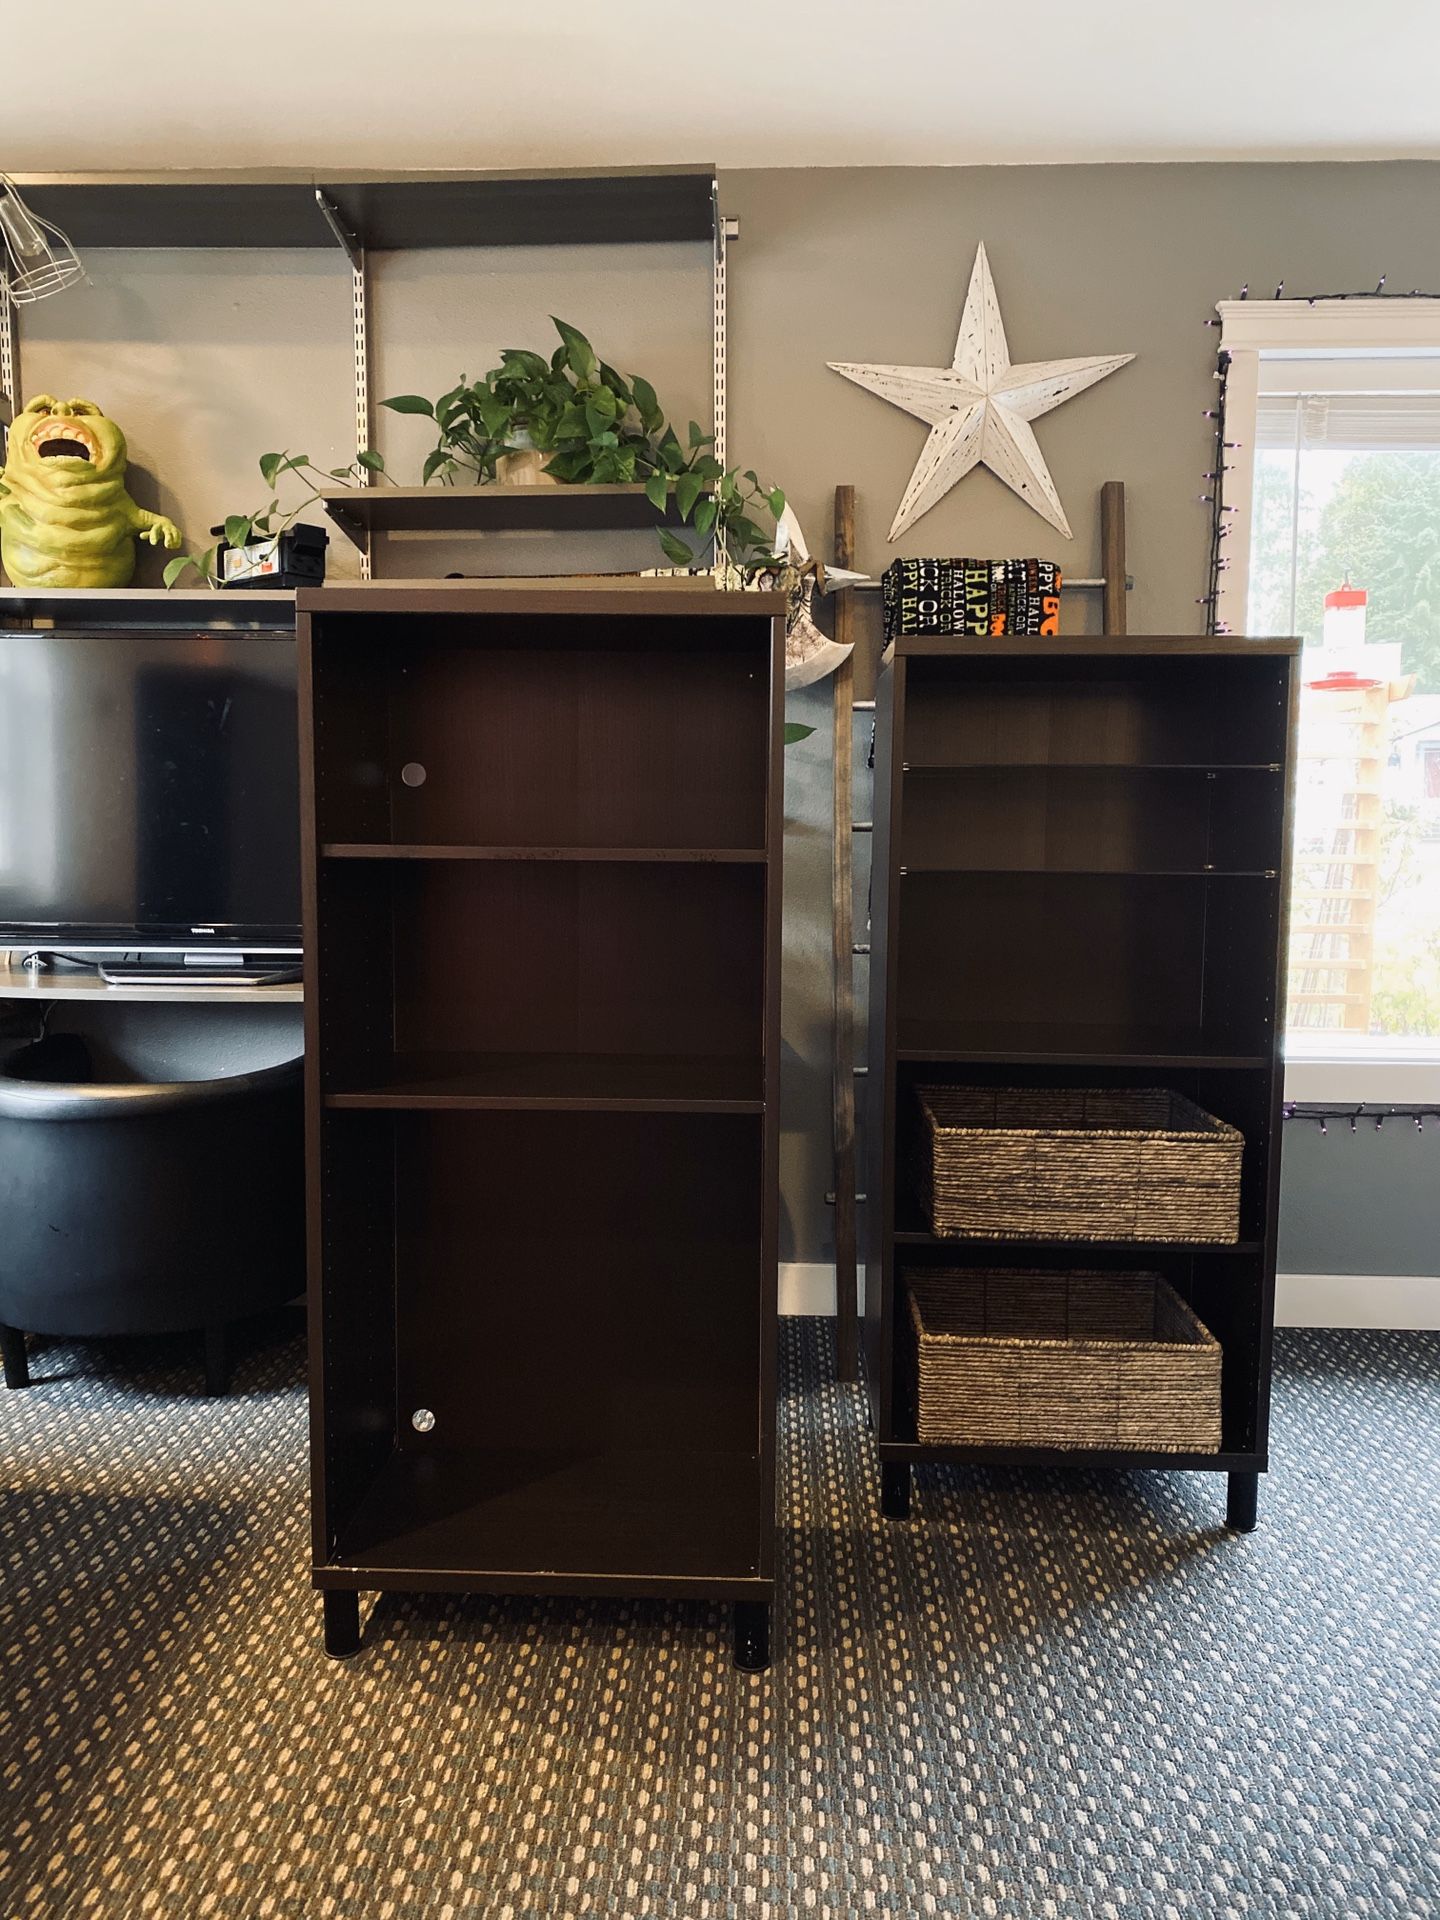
(1081, 854)
(542, 878)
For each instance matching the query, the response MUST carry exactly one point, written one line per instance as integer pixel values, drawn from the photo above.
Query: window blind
(1389, 421)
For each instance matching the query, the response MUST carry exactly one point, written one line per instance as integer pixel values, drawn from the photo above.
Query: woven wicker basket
(1021, 1359)
(1028, 1163)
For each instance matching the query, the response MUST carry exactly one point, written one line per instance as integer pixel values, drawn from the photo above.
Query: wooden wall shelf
(277, 207)
(1081, 853)
(542, 905)
(358, 511)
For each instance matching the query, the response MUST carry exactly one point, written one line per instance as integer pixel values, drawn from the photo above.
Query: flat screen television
(149, 791)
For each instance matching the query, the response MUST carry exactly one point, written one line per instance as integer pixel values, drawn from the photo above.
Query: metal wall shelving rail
(366, 213)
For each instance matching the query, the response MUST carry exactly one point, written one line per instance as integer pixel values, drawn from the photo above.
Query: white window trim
(1291, 329)
(1328, 330)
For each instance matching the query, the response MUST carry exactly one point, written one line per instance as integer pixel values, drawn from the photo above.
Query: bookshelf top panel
(961, 647)
(627, 598)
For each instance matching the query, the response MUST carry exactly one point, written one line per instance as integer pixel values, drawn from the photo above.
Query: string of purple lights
(1322, 1114)
(1214, 498)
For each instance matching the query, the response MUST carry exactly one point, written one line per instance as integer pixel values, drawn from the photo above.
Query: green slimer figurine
(65, 517)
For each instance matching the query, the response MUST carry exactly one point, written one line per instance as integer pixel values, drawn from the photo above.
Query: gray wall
(1365, 1202)
(873, 265)
(209, 360)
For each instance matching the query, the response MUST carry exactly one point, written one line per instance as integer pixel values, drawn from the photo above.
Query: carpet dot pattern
(1047, 1696)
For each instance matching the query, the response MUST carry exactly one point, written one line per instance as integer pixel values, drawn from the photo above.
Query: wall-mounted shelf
(360, 213)
(272, 207)
(361, 511)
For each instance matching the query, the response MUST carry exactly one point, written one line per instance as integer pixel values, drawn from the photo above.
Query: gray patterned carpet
(1051, 1696)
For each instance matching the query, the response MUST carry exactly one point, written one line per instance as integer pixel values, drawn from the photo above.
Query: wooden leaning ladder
(845, 1069)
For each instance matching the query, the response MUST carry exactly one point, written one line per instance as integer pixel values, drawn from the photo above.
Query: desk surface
(68, 983)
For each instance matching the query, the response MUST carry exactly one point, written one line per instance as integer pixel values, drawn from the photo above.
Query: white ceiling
(393, 83)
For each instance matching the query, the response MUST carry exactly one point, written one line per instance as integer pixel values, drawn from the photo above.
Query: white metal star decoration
(979, 408)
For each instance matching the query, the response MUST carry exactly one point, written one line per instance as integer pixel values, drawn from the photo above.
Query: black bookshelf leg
(17, 1360)
(895, 1489)
(342, 1623)
(752, 1635)
(1242, 1501)
(217, 1358)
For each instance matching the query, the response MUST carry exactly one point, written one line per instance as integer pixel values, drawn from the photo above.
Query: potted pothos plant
(271, 546)
(581, 422)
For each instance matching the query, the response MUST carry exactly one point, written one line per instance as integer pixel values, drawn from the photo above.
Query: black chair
(131, 1206)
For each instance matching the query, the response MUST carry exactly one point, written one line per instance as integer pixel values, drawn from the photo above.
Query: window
(1339, 495)
(1345, 551)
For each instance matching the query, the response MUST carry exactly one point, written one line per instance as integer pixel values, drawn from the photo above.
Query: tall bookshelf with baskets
(542, 835)
(1078, 911)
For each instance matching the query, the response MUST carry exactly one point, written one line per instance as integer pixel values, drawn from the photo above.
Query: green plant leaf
(437, 458)
(617, 384)
(794, 732)
(579, 354)
(688, 489)
(677, 551)
(657, 490)
(697, 438)
(777, 502)
(237, 529)
(705, 515)
(410, 403)
(569, 466)
(708, 467)
(519, 367)
(647, 405)
(176, 568)
(495, 417)
(270, 466)
(373, 462)
(746, 531)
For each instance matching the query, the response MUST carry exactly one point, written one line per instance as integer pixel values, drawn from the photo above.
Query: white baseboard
(1409, 1300)
(1301, 1299)
(807, 1287)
